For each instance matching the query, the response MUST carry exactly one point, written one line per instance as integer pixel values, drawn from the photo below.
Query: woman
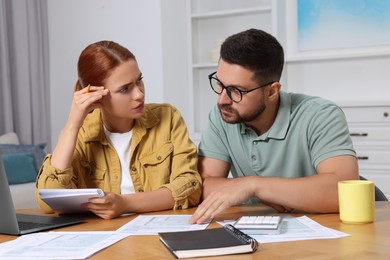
(139, 155)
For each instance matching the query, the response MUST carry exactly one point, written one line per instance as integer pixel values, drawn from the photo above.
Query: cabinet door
(374, 158)
(368, 114)
(369, 135)
(369, 127)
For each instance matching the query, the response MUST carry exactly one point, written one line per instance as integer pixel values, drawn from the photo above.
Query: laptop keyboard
(23, 225)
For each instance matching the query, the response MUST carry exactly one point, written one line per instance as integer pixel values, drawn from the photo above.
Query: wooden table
(367, 241)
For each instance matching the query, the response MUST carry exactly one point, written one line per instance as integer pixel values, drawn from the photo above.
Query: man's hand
(233, 192)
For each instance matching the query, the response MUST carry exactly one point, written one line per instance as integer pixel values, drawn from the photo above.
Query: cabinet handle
(385, 114)
(362, 157)
(358, 134)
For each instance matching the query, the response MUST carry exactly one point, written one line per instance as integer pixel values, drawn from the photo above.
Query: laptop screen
(10, 222)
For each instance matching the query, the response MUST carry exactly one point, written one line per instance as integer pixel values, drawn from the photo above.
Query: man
(286, 150)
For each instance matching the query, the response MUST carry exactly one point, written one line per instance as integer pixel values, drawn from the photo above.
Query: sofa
(21, 162)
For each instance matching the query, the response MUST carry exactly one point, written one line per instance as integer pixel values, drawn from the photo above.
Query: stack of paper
(81, 245)
(58, 245)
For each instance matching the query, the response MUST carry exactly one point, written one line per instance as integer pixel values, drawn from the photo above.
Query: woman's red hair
(98, 60)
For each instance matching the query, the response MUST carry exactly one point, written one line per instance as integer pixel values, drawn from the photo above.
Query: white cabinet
(209, 23)
(369, 126)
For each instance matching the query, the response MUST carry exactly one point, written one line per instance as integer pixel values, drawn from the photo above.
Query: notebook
(12, 223)
(208, 242)
(69, 200)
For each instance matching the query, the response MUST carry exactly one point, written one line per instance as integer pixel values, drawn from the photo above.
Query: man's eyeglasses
(233, 93)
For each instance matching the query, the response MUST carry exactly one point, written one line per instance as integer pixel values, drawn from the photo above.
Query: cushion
(9, 138)
(36, 150)
(20, 168)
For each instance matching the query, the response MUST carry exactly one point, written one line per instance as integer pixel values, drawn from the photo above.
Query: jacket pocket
(157, 165)
(94, 175)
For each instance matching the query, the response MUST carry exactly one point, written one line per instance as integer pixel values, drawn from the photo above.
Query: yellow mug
(356, 201)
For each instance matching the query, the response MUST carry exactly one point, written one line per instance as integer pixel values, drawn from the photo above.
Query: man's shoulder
(216, 118)
(214, 112)
(216, 125)
(312, 103)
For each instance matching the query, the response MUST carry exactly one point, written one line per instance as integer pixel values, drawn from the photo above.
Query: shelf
(204, 65)
(244, 11)
(209, 23)
(380, 102)
(335, 54)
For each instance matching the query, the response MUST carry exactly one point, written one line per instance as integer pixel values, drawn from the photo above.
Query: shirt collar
(281, 124)
(94, 124)
(280, 127)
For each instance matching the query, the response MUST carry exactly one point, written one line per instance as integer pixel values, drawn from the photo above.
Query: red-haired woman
(139, 154)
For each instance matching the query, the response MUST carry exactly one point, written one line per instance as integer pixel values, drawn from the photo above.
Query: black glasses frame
(229, 89)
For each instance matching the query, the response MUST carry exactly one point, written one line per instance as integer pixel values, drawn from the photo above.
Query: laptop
(12, 223)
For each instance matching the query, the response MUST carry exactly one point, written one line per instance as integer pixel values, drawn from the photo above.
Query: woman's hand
(112, 205)
(108, 207)
(84, 101)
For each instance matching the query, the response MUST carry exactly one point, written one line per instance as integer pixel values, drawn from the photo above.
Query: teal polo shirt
(306, 131)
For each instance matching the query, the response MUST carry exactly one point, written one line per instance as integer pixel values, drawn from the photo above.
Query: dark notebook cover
(208, 242)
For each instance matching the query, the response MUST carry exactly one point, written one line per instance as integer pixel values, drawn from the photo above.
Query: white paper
(59, 245)
(154, 224)
(299, 228)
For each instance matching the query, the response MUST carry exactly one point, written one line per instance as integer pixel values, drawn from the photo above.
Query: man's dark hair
(255, 50)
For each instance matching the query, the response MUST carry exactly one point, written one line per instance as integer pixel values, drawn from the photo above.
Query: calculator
(259, 225)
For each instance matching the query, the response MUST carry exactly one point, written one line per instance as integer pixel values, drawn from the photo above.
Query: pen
(88, 88)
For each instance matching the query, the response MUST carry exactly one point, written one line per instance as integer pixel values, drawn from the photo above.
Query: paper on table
(153, 224)
(300, 228)
(58, 245)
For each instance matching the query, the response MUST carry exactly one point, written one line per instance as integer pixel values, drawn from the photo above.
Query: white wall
(155, 31)
(175, 53)
(73, 24)
(344, 81)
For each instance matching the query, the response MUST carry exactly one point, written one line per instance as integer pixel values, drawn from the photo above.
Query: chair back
(379, 195)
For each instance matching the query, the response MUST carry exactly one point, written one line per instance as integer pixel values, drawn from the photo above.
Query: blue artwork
(338, 24)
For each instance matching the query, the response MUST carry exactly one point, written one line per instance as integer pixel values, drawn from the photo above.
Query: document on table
(58, 245)
(297, 228)
(153, 224)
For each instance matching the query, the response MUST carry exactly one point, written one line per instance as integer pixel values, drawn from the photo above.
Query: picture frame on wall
(330, 28)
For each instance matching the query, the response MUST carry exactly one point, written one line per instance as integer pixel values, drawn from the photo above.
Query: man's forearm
(316, 193)
(211, 184)
(310, 194)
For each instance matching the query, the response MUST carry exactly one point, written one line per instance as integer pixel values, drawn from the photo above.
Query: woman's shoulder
(163, 112)
(161, 108)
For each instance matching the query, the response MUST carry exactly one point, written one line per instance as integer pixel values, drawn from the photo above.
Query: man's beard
(231, 116)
